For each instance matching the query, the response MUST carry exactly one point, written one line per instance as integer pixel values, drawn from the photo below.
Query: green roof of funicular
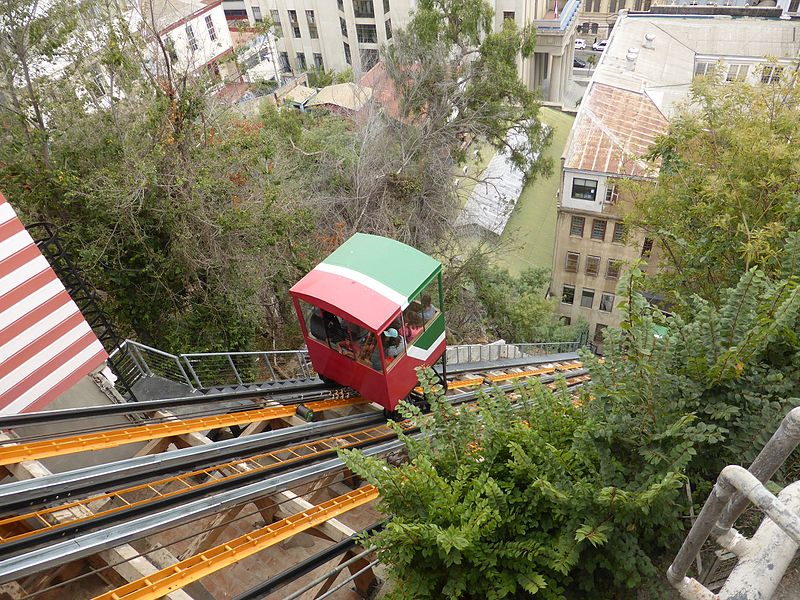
(403, 269)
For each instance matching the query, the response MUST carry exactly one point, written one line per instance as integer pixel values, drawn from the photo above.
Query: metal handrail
(734, 490)
(204, 370)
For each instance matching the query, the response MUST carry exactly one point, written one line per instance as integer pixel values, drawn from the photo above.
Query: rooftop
(350, 96)
(636, 89)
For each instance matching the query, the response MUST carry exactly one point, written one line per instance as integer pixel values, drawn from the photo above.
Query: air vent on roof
(630, 61)
(649, 40)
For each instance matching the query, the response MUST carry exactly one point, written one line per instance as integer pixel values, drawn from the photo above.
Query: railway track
(201, 477)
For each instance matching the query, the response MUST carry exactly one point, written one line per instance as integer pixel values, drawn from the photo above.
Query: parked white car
(600, 46)
(580, 44)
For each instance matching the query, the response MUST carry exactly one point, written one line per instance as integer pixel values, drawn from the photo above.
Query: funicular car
(371, 313)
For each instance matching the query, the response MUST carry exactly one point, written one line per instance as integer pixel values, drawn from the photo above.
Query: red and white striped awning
(46, 345)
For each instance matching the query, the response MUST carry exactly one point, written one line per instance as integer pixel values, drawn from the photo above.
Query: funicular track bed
(24, 531)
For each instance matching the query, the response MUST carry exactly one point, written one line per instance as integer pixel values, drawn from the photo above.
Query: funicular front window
(339, 334)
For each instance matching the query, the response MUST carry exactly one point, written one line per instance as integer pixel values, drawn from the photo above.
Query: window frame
(358, 5)
(311, 21)
(572, 226)
(599, 328)
(603, 297)
(572, 262)
(618, 235)
(734, 73)
(612, 194)
(191, 38)
(592, 260)
(212, 32)
(360, 27)
(591, 295)
(564, 289)
(647, 247)
(592, 235)
(613, 263)
(771, 74)
(388, 26)
(590, 195)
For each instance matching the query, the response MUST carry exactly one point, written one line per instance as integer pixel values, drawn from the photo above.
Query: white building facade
(345, 34)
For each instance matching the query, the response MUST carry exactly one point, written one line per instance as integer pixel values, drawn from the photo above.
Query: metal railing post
(235, 372)
(147, 370)
(271, 370)
(191, 370)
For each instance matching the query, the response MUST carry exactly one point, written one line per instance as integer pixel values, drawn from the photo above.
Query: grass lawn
(530, 232)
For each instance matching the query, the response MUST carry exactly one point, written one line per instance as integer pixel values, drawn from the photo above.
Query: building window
(340, 4)
(587, 298)
(647, 248)
(367, 34)
(621, 4)
(276, 23)
(343, 25)
(283, 59)
(508, 15)
(190, 36)
(599, 229)
(637, 5)
(594, 27)
(312, 25)
(293, 22)
(771, 74)
(613, 6)
(702, 68)
(584, 189)
(606, 302)
(568, 294)
(212, 33)
(619, 233)
(347, 56)
(565, 320)
(613, 268)
(572, 261)
(388, 25)
(592, 265)
(363, 9)
(301, 61)
(318, 61)
(612, 194)
(369, 58)
(598, 333)
(576, 226)
(736, 73)
(386, 7)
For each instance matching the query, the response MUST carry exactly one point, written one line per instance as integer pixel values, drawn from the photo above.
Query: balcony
(554, 24)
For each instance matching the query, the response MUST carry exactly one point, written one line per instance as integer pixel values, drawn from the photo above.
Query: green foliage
(319, 77)
(532, 497)
(728, 189)
(514, 307)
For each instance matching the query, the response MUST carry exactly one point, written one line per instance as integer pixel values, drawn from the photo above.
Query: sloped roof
(369, 279)
(299, 94)
(614, 128)
(350, 96)
(383, 89)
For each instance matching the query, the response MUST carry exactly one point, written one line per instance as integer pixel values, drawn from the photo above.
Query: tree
(591, 60)
(728, 188)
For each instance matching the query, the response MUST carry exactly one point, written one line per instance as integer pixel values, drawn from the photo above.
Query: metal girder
(31, 493)
(118, 437)
(90, 543)
(181, 574)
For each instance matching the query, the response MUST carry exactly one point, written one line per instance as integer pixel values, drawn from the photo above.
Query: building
(350, 34)
(195, 33)
(597, 17)
(644, 73)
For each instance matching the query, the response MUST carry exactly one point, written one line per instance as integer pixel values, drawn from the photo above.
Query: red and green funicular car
(371, 313)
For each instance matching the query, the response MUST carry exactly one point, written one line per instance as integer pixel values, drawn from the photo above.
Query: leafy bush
(529, 496)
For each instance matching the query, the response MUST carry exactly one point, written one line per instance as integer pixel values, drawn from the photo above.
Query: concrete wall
(84, 393)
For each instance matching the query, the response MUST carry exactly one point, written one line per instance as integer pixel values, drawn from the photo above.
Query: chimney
(649, 40)
(630, 61)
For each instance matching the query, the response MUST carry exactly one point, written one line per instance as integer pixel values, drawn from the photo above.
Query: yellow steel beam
(14, 453)
(145, 493)
(531, 373)
(192, 569)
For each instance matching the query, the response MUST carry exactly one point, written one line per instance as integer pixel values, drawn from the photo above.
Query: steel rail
(181, 574)
(14, 567)
(77, 414)
(32, 493)
(305, 566)
(132, 504)
(14, 453)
